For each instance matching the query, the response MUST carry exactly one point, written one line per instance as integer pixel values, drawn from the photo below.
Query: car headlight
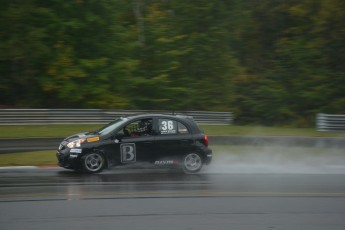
(75, 143)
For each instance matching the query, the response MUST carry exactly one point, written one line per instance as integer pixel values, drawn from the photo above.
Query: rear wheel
(93, 162)
(192, 163)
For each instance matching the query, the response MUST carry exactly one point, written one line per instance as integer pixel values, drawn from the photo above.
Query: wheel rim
(192, 162)
(94, 162)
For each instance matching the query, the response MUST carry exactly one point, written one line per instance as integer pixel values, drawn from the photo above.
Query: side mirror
(119, 136)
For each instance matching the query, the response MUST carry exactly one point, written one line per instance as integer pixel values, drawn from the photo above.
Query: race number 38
(128, 153)
(167, 126)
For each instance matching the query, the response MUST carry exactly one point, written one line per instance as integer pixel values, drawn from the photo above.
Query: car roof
(159, 115)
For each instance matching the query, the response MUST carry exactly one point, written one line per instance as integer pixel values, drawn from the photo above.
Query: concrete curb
(301, 141)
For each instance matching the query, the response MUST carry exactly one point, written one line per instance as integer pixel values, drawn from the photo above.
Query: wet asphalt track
(162, 199)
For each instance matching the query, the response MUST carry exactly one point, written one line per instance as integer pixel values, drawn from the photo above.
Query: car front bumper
(66, 158)
(65, 161)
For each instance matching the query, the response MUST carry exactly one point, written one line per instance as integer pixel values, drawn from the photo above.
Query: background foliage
(269, 62)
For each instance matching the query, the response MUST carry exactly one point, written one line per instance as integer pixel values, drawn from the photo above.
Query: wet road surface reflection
(65, 184)
(161, 199)
(59, 182)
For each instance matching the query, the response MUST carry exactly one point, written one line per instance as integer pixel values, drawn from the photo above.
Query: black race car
(163, 140)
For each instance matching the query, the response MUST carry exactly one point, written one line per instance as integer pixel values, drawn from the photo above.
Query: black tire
(93, 162)
(192, 163)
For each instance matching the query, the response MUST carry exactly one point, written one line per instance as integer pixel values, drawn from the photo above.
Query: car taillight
(206, 140)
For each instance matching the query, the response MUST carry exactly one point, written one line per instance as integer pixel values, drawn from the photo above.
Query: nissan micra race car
(163, 140)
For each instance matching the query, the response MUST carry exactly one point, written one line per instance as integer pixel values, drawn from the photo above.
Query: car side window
(171, 127)
(182, 129)
(138, 128)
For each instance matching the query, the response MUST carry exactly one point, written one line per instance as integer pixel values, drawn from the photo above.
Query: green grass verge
(26, 131)
(265, 131)
(39, 158)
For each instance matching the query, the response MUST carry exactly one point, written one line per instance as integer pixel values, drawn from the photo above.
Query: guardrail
(96, 116)
(330, 122)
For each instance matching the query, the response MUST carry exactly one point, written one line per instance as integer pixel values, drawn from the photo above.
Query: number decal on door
(167, 126)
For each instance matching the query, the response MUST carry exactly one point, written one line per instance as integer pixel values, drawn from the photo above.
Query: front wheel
(192, 163)
(93, 162)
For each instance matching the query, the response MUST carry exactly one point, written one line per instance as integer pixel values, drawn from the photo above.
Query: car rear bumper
(209, 156)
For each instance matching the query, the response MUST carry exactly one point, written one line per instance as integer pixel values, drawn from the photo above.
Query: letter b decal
(128, 153)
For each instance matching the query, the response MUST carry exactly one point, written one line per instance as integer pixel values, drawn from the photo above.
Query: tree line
(270, 62)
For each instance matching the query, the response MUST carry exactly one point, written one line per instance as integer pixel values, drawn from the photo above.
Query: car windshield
(111, 126)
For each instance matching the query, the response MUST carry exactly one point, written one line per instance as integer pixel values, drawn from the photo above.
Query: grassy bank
(38, 158)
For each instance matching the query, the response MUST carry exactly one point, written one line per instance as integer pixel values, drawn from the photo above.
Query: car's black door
(134, 142)
(136, 149)
(173, 140)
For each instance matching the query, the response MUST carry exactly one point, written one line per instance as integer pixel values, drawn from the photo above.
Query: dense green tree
(269, 62)
(24, 47)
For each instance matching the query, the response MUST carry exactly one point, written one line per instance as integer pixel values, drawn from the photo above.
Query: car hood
(85, 135)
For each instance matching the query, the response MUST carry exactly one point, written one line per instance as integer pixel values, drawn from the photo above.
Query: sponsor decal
(92, 139)
(75, 150)
(128, 153)
(164, 162)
